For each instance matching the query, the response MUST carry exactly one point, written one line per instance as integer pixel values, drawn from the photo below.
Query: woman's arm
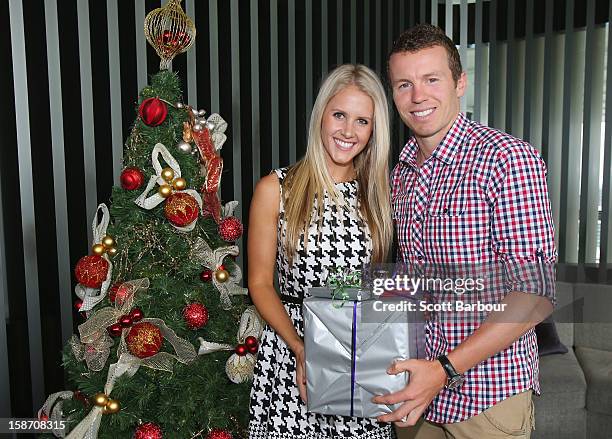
(263, 223)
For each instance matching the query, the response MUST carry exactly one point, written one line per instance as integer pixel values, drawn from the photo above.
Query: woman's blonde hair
(307, 181)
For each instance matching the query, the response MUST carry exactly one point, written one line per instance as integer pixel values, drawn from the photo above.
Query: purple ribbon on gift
(353, 362)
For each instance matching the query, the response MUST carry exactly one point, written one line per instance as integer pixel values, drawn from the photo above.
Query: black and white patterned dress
(276, 409)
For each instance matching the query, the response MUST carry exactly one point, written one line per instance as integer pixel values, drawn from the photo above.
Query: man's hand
(427, 378)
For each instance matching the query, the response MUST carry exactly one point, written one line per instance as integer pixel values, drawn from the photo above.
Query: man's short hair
(424, 36)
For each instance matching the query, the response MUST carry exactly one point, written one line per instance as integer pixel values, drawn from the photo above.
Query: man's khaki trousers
(510, 418)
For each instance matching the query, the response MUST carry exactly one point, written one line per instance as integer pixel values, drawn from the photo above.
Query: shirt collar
(446, 150)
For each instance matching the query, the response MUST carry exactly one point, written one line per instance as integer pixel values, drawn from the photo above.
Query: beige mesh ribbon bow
(95, 343)
(213, 259)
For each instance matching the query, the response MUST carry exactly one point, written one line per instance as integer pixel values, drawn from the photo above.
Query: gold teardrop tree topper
(170, 31)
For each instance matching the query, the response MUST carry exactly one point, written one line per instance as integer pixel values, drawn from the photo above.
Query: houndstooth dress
(276, 409)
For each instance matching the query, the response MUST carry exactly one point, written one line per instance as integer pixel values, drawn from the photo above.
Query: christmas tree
(158, 353)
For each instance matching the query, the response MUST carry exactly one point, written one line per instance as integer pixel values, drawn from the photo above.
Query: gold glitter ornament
(170, 31)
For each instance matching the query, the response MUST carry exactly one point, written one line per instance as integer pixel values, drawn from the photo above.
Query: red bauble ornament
(91, 271)
(218, 433)
(251, 344)
(153, 111)
(206, 276)
(148, 431)
(136, 314)
(115, 330)
(181, 209)
(125, 321)
(250, 341)
(195, 315)
(230, 229)
(241, 350)
(78, 304)
(144, 340)
(131, 178)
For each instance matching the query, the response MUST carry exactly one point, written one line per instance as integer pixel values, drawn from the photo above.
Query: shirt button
(419, 258)
(418, 218)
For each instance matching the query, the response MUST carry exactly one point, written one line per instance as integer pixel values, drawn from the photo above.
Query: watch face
(455, 382)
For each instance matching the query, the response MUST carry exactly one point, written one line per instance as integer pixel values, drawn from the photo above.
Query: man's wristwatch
(455, 379)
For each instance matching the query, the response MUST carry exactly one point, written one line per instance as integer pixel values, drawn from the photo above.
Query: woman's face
(346, 128)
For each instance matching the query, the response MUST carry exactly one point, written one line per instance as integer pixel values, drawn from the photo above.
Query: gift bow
(95, 343)
(92, 296)
(212, 259)
(341, 279)
(149, 202)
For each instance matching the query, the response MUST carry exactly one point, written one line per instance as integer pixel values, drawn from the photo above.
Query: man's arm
(500, 329)
(522, 233)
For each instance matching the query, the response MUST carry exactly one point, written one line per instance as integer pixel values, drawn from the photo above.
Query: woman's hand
(300, 370)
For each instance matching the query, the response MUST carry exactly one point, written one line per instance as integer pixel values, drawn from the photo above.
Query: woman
(329, 210)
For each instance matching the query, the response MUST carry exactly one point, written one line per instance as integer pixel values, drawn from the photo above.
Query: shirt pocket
(451, 236)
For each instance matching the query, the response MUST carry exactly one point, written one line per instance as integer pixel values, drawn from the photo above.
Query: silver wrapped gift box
(348, 347)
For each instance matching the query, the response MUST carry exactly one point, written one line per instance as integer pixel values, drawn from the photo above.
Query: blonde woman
(331, 209)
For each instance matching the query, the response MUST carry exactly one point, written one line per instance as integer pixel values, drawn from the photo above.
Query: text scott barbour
(404, 284)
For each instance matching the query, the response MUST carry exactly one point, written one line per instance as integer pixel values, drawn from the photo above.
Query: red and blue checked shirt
(481, 197)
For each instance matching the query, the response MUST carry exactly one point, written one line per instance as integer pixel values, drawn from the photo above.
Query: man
(466, 193)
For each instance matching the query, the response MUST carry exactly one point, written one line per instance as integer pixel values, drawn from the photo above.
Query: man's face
(425, 93)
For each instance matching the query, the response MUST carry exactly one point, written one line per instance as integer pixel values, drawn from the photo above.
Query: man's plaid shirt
(480, 198)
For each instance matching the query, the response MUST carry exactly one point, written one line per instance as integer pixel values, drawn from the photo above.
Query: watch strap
(451, 372)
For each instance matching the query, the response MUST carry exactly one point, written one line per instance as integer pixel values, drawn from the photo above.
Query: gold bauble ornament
(170, 31)
(179, 184)
(98, 249)
(221, 275)
(100, 399)
(108, 241)
(165, 190)
(112, 406)
(167, 174)
(112, 251)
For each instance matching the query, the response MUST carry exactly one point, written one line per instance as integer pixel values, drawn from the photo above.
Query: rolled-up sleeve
(522, 228)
